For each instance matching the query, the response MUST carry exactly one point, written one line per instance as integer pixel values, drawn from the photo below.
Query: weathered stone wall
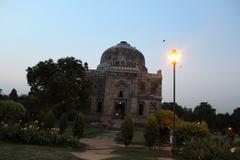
(122, 81)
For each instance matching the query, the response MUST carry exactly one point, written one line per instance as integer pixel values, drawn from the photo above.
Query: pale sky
(206, 32)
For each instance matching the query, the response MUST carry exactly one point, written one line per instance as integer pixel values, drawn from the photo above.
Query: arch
(121, 83)
(120, 95)
(140, 109)
(120, 110)
(99, 107)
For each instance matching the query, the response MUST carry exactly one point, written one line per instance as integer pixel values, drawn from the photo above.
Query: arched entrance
(120, 110)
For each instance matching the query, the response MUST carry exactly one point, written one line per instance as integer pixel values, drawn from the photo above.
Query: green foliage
(170, 105)
(41, 117)
(204, 111)
(235, 119)
(78, 126)
(32, 104)
(165, 123)
(11, 111)
(49, 120)
(207, 149)
(13, 94)
(127, 130)
(69, 108)
(32, 133)
(63, 123)
(64, 81)
(187, 130)
(151, 132)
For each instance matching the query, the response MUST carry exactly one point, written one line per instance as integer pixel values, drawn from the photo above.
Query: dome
(122, 55)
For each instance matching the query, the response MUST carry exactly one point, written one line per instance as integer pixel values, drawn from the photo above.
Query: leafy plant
(151, 132)
(11, 111)
(206, 149)
(63, 122)
(187, 130)
(49, 120)
(165, 122)
(32, 133)
(127, 130)
(78, 127)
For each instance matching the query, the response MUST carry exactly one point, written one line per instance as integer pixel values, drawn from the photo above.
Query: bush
(165, 122)
(49, 120)
(187, 130)
(11, 111)
(41, 117)
(32, 133)
(151, 132)
(78, 126)
(63, 123)
(206, 149)
(127, 130)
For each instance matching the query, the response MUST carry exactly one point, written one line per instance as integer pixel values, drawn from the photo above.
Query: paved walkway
(101, 147)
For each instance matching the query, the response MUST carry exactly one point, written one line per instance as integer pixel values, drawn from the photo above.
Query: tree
(38, 78)
(165, 123)
(206, 112)
(1, 94)
(222, 122)
(151, 131)
(49, 120)
(11, 111)
(13, 94)
(63, 122)
(127, 130)
(78, 126)
(64, 81)
(179, 109)
(235, 119)
(33, 105)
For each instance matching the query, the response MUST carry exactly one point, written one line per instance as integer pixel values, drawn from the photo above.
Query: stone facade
(122, 86)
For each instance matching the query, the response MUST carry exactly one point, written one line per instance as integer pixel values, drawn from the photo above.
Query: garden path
(99, 147)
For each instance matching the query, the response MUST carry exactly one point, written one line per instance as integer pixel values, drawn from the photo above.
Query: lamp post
(173, 58)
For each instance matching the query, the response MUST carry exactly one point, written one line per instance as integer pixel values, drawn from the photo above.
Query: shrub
(41, 117)
(187, 130)
(165, 123)
(151, 132)
(11, 111)
(32, 133)
(206, 149)
(49, 120)
(127, 130)
(78, 126)
(63, 123)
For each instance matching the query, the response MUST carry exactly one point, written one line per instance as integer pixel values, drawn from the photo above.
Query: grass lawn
(91, 132)
(13, 151)
(138, 154)
(138, 137)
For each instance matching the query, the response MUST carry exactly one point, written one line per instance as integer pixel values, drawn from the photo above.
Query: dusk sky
(206, 32)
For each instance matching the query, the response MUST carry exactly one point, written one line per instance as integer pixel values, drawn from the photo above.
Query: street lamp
(174, 58)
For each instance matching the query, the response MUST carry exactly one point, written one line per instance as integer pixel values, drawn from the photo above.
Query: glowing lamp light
(174, 57)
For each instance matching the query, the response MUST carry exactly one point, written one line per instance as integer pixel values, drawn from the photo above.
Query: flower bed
(34, 133)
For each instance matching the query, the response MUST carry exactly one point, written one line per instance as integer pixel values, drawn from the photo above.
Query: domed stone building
(122, 86)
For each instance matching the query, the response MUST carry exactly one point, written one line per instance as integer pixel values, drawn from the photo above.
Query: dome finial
(124, 42)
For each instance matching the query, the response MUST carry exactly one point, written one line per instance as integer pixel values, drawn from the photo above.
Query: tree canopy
(62, 82)
(13, 94)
